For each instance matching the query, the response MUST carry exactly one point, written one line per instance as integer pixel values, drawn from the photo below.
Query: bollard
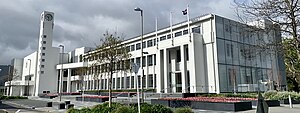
(290, 101)
(49, 104)
(61, 106)
(67, 102)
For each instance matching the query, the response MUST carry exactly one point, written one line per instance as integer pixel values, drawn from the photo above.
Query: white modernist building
(212, 55)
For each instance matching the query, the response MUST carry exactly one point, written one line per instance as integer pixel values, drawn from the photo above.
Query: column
(146, 72)
(159, 74)
(69, 81)
(183, 69)
(166, 71)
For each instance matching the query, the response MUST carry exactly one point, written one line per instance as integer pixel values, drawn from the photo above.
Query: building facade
(219, 55)
(213, 55)
(38, 71)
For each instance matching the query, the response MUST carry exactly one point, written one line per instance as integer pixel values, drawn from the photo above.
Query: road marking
(18, 111)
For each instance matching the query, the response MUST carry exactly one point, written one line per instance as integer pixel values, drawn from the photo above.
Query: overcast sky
(82, 22)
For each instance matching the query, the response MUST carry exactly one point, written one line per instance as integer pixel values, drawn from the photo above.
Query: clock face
(48, 17)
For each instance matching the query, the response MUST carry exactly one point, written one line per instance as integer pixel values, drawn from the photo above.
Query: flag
(184, 12)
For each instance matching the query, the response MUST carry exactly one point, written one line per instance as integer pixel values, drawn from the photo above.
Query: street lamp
(142, 27)
(61, 72)
(28, 76)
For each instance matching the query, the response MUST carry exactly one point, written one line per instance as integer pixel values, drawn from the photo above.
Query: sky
(79, 23)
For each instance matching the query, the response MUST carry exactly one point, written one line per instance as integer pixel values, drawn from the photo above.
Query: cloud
(82, 23)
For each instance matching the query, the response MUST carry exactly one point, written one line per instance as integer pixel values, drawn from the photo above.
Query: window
(150, 60)
(144, 44)
(43, 60)
(132, 48)
(144, 61)
(162, 38)
(196, 29)
(43, 48)
(150, 80)
(154, 59)
(42, 72)
(42, 66)
(127, 48)
(44, 36)
(138, 61)
(178, 57)
(138, 46)
(43, 54)
(178, 34)
(187, 53)
(149, 43)
(168, 36)
(44, 42)
(185, 32)
(154, 41)
(127, 82)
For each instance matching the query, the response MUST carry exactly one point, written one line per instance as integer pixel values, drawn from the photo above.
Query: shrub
(124, 109)
(160, 109)
(72, 110)
(281, 95)
(12, 97)
(183, 110)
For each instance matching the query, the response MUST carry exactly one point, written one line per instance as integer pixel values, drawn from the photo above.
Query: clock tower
(47, 57)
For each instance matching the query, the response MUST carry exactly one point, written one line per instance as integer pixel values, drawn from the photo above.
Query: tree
(284, 14)
(292, 64)
(111, 57)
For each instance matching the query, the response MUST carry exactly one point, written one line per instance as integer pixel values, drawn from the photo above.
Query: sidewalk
(39, 103)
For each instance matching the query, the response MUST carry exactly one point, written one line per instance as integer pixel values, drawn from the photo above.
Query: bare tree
(284, 16)
(112, 56)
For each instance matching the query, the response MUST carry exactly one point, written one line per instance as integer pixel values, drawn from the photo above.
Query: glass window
(150, 80)
(235, 53)
(127, 82)
(185, 32)
(162, 38)
(149, 43)
(154, 41)
(196, 29)
(219, 27)
(144, 44)
(227, 29)
(144, 61)
(132, 48)
(168, 36)
(223, 78)
(113, 83)
(178, 56)
(150, 60)
(229, 52)
(221, 50)
(138, 46)
(118, 82)
(138, 61)
(128, 48)
(154, 59)
(178, 34)
(231, 73)
(132, 82)
(44, 42)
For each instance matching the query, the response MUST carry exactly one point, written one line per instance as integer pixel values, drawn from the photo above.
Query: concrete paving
(27, 105)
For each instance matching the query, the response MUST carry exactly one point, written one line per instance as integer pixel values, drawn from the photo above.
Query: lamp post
(142, 27)
(61, 71)
(28, 76)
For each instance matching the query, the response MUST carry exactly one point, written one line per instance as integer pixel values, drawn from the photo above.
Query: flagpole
(171, 26)
(188, 20)
(156, 33)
